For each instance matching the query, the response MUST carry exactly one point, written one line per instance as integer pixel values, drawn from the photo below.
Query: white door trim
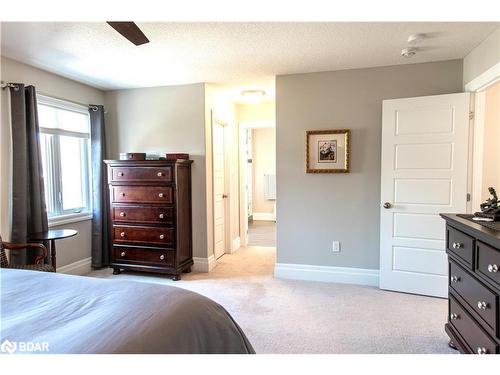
(242, 176)
(484, 80)
(227, 236)
(478, 86)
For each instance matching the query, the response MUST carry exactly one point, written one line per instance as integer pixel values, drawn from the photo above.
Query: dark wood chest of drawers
(150, 216)
(474, 286)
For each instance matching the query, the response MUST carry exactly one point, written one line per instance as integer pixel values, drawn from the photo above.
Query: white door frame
(227, 231)
(242, 174)
(477, 87)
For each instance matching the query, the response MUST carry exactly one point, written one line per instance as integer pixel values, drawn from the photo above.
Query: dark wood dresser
(150, 216)
(474, 286)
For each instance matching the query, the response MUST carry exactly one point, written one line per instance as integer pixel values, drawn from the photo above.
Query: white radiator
(270, 186)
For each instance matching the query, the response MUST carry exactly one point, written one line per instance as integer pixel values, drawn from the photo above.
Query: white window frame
(67, 216)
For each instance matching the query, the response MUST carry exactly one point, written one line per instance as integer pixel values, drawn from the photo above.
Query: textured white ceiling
(244, 54)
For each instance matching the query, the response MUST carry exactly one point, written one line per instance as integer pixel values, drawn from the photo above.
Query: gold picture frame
(327, 151)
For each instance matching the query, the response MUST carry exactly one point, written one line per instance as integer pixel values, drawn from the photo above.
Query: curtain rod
(94, 108)
(4, 85)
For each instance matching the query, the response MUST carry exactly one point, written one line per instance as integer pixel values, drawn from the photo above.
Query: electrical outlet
(336, 247)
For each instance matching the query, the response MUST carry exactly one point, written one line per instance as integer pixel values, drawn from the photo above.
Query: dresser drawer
(488, 262)
(476, 338)
(482, 300)
(163, 174)
(461, 245)
(141, 194)
(125, 254)
(144, 235)
(143, 214)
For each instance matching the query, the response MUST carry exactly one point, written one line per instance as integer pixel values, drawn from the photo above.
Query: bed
(75, 314)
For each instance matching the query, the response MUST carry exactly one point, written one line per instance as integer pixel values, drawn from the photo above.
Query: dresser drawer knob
(122, 234)
(123, 214)
(161, 195)
(482, 350)
(454, 316)
(122, 253)
(162, 236)
(481, 305)
(121, 174)
(492, 268)
(162, 257)
(457, 245)
(159, 174)
(122, 194)
(161, 216)
(455, 279)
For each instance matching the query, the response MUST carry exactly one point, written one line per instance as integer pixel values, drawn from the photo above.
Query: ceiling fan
(130, 31)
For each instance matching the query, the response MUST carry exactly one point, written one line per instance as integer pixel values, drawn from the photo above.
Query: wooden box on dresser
(474, 286)
(150, 216)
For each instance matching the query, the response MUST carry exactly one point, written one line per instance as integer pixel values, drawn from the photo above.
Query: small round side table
(52, 235)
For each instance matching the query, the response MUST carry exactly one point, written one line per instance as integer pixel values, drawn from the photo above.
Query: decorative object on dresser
(491, 208)
(133, 156)
(474, 285)
(150, 212)
(178, 155)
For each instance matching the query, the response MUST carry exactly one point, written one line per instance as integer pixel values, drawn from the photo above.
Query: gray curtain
(100, 218)
(29, 213)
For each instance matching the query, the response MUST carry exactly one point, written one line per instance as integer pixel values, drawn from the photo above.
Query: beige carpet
(286, 316)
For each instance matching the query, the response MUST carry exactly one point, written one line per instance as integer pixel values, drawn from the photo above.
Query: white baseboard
(235, 245)
(345, 275)
(80, 267)
(204, 264)
(266, 216)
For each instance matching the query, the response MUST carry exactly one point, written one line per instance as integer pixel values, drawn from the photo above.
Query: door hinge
(471, 115)
(468, 197)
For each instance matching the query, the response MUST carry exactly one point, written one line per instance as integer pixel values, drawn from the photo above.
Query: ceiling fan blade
(130, 31)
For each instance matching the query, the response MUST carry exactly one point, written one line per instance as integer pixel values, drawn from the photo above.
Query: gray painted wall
(164, 119)
(315, 209)
(69, 250)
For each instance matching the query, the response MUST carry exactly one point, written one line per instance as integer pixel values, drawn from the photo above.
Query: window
(65, 151)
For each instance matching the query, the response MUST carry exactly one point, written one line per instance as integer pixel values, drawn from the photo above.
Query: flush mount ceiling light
(408, 52)
(253, 93)
(415, 38)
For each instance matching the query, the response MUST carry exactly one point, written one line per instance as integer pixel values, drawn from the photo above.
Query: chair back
(3, 256)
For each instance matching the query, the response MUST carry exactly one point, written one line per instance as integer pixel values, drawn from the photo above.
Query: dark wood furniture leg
(116, 271)
(53, 253)
(187, 270)
(452, 345)
(176, 277)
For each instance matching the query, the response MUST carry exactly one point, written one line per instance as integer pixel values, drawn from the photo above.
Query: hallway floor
(288, 316)
(262, 233)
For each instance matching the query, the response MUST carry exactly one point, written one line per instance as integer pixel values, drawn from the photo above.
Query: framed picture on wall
(327, 151)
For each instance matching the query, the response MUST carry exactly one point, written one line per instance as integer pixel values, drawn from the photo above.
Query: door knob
(224, 196)
(387, 205)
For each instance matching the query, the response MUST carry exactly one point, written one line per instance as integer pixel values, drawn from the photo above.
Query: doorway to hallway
(262, 233)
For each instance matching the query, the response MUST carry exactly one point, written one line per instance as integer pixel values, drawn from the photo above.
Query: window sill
(67, 219)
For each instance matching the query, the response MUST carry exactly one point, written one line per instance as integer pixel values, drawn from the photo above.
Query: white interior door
(219, 190)
(424, 173)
